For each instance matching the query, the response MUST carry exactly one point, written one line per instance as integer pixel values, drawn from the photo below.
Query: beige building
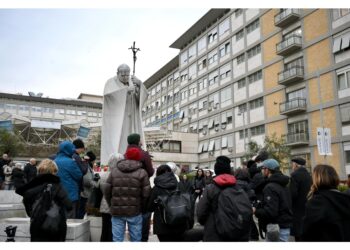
(242, 74)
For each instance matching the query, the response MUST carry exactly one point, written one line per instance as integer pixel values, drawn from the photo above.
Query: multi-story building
(41, 120)
(242, 74)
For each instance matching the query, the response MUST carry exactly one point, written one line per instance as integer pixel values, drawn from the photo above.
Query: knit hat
(222, 165)
(134, 139)
(133, 154)
(271, 164)
(91, 155)
(78, 143)
(298, 160)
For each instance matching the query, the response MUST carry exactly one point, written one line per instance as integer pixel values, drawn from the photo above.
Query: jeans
(284, 234)
(134, 227)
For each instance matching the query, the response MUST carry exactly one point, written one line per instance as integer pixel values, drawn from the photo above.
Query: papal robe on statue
(121, 116)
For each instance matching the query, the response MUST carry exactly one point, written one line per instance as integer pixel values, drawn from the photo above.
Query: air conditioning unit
(211, 153)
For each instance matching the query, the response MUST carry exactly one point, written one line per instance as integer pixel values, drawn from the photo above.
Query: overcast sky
(65, 52)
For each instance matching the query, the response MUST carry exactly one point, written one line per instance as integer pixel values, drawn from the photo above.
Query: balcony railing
(297, 139)
(289, 45)
(287, 16)
(293, 106)
(292, 74)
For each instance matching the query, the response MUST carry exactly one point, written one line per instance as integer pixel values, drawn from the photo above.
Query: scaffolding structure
(155, 137)
(46, 132)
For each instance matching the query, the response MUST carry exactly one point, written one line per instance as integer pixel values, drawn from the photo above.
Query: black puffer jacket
(31, 192)
(162, 185)
(300, 183)
(327, 217)
(277, 204)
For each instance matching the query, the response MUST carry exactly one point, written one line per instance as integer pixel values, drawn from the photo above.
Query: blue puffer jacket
(68, 170)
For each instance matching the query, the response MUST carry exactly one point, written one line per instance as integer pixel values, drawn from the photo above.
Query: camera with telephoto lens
(96, 177)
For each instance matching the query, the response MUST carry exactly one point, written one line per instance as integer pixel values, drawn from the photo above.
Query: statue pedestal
(11, 205)
(77, 230)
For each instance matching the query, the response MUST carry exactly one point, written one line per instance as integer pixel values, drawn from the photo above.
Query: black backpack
(233, 214)
(46, 214)
(175, 208)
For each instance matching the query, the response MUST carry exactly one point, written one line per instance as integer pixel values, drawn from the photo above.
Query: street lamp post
(240, 113)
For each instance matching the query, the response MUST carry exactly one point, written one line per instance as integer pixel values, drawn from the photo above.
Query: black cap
(91, 155)
(78, 143)
(299, 161)
(134, 139)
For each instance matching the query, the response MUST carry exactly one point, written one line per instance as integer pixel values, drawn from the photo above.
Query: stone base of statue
(77, 230)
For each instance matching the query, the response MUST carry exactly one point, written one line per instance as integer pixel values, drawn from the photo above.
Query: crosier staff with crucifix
(136, 82)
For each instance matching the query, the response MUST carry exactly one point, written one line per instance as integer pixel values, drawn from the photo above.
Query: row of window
(192, 89)
(212, 36)
(228, 140)
(24, 108)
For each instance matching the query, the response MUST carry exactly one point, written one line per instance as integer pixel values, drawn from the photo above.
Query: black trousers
(146, 225)
(254, 233)
(72, 214)
(170, 237)
(106, 234)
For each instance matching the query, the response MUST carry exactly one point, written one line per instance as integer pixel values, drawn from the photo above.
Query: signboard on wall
(7, 125)
(324, 141)
(83, 132)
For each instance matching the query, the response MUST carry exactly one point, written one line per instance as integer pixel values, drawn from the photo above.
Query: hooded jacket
(163, 184)
(327, 217)
(30, 193)
(68, 170)
(277, 204)
(127, 189)
(206, 204)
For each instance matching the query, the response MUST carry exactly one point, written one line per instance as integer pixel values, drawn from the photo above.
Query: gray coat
(88, 183)
(104, 208)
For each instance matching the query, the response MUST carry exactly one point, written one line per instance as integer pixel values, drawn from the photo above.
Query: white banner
(327, 141)
(45, 124)
(320, 141)
(324, 141)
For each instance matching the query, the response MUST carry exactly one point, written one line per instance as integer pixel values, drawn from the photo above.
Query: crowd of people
(254, 202)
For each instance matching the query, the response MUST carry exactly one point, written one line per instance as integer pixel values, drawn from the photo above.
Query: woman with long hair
(198, 184)
(327, 215)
